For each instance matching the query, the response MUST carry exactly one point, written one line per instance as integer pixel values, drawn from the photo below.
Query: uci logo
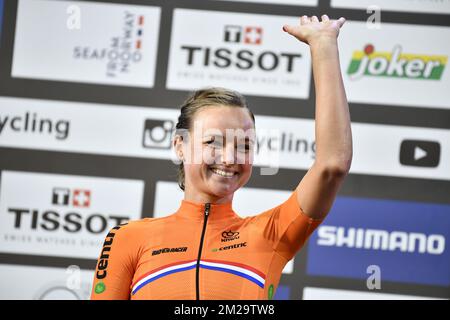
(229, 236)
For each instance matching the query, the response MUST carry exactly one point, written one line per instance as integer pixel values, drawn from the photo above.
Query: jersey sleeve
(115, 266)
(287, 226)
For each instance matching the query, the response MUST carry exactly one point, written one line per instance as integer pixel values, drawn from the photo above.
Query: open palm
(311, 28)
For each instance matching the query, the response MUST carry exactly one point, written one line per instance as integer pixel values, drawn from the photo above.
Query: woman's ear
(178, 146)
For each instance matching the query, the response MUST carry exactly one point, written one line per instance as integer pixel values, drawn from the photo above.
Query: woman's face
(219, 152)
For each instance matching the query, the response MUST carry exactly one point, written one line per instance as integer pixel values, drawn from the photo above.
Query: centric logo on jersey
(230, 247)
(229, 236)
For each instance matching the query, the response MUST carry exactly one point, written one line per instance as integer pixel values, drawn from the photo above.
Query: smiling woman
(214, 140)
(205, 250)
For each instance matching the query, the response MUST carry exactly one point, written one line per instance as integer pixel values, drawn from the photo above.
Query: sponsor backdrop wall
(90, 93)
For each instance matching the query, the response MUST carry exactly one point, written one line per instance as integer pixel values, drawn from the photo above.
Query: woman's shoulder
(144, 223)
(135, 231)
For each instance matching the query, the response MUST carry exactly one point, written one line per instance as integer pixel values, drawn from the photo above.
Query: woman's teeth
(222, 173)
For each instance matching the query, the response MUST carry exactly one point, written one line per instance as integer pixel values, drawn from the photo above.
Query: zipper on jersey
(197, 269)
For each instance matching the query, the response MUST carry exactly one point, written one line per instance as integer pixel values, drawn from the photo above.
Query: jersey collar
(196, 211)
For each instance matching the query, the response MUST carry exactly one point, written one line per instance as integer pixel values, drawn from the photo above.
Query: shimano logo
(373, 239)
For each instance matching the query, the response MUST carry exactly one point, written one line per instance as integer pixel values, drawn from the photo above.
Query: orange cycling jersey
(202, 251)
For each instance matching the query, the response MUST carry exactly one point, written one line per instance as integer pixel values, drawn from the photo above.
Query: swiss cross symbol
(253, 35)
(81, 198)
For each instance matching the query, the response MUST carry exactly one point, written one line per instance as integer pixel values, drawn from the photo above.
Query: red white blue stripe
(237, 269)
(162, 272)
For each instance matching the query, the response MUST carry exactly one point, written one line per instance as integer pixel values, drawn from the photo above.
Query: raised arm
(318, 188)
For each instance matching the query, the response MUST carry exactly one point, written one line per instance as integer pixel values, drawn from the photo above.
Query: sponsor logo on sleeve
(102, 264)
(169, 250)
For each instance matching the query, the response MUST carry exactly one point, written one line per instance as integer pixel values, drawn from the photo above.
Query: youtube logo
(420, 153)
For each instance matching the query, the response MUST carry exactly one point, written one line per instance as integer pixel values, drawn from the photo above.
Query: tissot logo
(80, 197)
(157, 133)
(245, 59)
(420, 153)
(61, 196)
(247, 35)
(63, 215)
(70, 221)
(239, 50)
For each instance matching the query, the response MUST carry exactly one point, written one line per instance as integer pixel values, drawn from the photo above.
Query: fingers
(340, 21)
(304, 20)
